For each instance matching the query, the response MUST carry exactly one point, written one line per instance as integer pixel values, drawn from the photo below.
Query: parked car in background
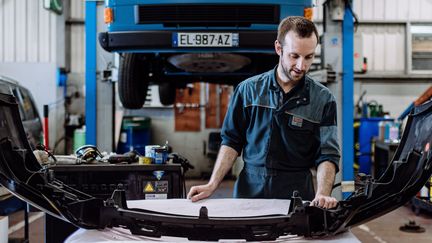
(27, 108)
(171, 43)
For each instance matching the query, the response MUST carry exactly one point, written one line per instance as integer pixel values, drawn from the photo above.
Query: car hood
(23, 176)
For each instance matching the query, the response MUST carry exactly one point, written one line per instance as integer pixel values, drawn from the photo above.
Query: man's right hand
(224, 163)
(197, 193)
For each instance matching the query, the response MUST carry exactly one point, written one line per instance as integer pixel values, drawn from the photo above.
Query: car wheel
(167, 93)
(132, 82)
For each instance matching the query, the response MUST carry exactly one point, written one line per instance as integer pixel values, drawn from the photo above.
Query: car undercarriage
(22, 175)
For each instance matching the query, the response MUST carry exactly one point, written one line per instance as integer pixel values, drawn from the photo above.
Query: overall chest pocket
(294, 142)
(300, 125)
(302, 136)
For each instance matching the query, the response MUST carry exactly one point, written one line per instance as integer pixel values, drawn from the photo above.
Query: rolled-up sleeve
(234, 125)
(329, 145)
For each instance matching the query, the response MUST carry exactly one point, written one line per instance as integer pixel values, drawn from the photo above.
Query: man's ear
(278, 47)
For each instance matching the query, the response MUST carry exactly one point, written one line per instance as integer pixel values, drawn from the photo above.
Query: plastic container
(149, 150)
(134, 134)
(394, 132)
(387, 127)
(367, 131)
(79, 138)
(160, 155)
(381, 130)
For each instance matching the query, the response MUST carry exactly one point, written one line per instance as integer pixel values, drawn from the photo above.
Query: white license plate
(182, 39)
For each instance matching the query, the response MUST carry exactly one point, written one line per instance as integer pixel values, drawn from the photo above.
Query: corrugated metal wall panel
(402, 9)
(390, 10)
(318, 10)
(77, 38)
(367, 9)
(413, 10)
(33, 31)
(77, 49)
(396, 48)
(21, 30)
(357, 7)
(1, 32)
(425, 9)
(27, 32)
(394, 59)
(368, 48)
(56, 39)
(77, 9)
(9, 30)
(379, 54)
(384, 47)
(44, 35)
(378, 10)
(393, 9)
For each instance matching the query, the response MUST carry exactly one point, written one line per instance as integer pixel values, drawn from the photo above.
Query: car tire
(167, 93)
(132, 82)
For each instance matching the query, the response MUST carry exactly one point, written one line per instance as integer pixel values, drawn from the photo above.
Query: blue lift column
(90, 72)
(347, 97)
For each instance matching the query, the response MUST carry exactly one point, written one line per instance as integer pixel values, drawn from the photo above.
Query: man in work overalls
(284, 123)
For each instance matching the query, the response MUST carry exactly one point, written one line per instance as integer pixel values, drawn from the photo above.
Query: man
(285, 124)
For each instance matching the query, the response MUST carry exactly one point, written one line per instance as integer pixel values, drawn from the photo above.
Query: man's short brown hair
(303, 27)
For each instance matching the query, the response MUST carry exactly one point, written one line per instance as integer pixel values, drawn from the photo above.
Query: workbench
(216, 207)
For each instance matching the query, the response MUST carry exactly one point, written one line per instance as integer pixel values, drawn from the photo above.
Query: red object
(425, 96)
(365, 65)
(45, 127)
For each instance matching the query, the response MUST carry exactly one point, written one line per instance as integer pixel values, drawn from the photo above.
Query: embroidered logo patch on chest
(297, 121)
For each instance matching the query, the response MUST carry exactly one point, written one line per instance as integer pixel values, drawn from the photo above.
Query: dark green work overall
(280, 135)
(261, 182)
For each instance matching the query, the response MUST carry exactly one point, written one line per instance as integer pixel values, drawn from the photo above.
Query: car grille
(207, 15)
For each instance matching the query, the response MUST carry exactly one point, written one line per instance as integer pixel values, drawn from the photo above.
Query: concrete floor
(383, 229)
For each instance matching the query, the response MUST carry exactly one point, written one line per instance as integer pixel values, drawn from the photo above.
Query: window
(421, 47)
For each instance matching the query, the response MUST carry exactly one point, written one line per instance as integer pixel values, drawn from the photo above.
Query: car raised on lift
(172, 43)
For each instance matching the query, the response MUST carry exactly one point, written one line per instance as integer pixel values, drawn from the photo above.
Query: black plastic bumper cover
(21, 174)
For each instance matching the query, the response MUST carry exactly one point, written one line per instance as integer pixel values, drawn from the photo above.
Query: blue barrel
(367, 131)
(134, 134)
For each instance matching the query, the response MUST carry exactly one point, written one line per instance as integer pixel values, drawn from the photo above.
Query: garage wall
(384, 43)
(384, 46)
(388, 10)
(31, 49)
(77, 59)
(28, 33)
(382, 32)
(382, 29)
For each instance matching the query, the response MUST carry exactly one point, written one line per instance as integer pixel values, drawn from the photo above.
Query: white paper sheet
(228, 207)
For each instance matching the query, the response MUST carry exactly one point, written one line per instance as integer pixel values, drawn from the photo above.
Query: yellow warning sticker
(149, 187)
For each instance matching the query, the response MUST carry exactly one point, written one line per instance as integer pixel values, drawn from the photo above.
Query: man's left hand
(326, 202)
